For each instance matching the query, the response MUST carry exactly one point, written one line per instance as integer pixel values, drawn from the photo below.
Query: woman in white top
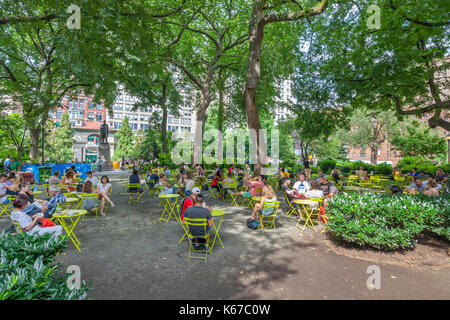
(164, 185)
(28, 224)
(103, 189)
(189, 182)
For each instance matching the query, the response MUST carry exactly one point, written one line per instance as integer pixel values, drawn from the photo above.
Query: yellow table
(169, 206)
(69, 222)
(307, 206)
(71, 203)
(217, 213)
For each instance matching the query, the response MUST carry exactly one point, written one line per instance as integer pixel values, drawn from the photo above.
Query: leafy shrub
(383, 168)
(26, 271)
(387, 222)
(327, 165)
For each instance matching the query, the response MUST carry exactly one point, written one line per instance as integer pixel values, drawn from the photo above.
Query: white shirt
(314, 193)
(189, 185)
(3, 191)
(24, 220)
(104, 188)
(94, 180)
(302, 187)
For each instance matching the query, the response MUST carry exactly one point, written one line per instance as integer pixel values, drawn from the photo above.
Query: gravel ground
(130, 254)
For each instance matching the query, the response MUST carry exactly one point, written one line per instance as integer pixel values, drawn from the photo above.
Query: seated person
(414, 172)
(189, 202)
(302, 186)
(253, 184)
(103, 191)
(315, 193)
(88, 204)
(3, 195)
(417, 187)
(30, 224)
(13, 189)
(441, 177)
(321, 174)
(24, 189)
(91, 178)
(197, 211)
(54, 179)
(188, 184)
(153, 176)
(217, 182)
(396, 190)
(365, 176)
(268, 196)
(430, 189)
(430, 180)
(164, 185)
(361, 173)
(55, 197)
(328, 187)
(335, 174)
(135, 179)
(69, 180)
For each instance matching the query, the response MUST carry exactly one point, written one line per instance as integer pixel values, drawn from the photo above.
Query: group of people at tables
(34, 215)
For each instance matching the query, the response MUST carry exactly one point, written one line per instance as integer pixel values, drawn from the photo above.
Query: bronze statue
(104, 129)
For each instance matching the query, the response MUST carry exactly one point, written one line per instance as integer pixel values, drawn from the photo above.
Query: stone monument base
(105, 152)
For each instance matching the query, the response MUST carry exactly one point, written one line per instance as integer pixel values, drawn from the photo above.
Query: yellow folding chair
(232, 192)
(267, 221)
(87, 196)
(7, 207)
(197, 223)
(133, 195)
(292, 210)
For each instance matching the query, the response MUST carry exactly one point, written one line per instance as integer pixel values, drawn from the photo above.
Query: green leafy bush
(327, 165)
(383, 168)
(387, 222)
(26, 270)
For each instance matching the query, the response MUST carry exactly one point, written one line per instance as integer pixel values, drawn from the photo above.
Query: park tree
(369, 129)
(124, 138)
(60, 142)
(414, 139)
(381, 55)
(264, 13)
(13, 133)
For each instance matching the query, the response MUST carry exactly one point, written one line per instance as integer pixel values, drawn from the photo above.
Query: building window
(58, 114)
(91, 116)
(99, 106)
(99, 117)
(91, 105)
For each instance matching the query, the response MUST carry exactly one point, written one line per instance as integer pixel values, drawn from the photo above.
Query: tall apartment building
(139, 119)
(282, 113)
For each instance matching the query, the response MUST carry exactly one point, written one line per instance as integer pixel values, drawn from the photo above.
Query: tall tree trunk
(256, 31)
(220, 112)
(34, 144)
(373, 155)
(163, 102)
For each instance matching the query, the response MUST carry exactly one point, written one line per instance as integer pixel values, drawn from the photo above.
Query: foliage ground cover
(27, 271)
(387, 222)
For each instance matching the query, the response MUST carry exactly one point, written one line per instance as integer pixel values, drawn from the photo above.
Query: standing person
(307, 166)
(99, 164)
(16, 165)
(103, 190)
(7, 164)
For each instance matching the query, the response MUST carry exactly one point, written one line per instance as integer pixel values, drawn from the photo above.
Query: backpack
(252, 224)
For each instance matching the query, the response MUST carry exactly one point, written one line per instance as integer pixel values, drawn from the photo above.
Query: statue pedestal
(105, 152)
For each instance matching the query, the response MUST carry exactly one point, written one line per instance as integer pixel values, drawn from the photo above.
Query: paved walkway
(131, 255)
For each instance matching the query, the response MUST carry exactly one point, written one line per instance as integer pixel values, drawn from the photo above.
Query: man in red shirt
(189, 202)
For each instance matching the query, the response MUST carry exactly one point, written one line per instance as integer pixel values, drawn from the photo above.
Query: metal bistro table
(69, 222)
(217, 213)
(308, 209)
(169, 206)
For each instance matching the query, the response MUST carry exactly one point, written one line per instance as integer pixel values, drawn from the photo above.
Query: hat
(325, 177)
(196, 190)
